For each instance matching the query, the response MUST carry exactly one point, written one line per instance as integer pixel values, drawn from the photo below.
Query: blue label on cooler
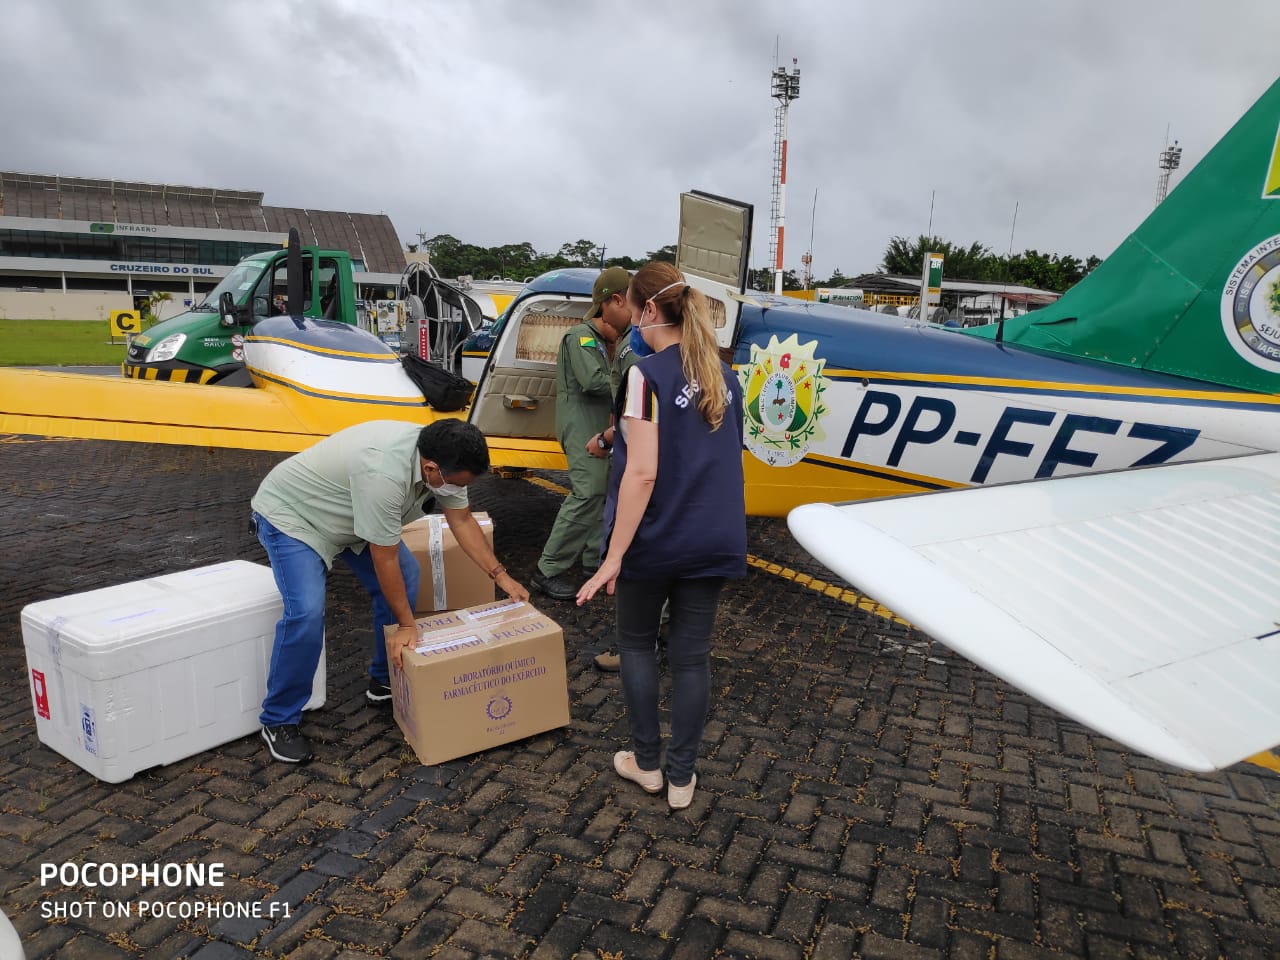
(89, 727)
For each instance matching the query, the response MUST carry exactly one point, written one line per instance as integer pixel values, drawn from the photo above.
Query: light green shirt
(361, 485)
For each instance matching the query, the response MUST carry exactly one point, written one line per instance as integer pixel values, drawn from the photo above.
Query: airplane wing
(112, 408)
(1143, 604)
(279, 417)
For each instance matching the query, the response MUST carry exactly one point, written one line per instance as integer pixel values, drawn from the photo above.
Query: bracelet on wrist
(497, 571)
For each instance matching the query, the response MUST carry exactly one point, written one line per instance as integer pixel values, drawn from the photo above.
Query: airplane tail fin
(1195, 290)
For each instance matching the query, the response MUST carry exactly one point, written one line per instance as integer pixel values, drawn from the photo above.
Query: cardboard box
(480, 677)
(449, 578)
(155, 671)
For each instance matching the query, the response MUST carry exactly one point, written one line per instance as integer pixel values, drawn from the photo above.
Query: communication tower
(1170, 157)
(786, 87)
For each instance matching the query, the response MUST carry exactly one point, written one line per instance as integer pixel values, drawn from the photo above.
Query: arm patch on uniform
(587, 341)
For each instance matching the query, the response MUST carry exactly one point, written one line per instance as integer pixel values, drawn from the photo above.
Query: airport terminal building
(75, 248)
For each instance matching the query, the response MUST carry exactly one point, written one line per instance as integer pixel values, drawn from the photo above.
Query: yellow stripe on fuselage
(1044, 386)
(775, 491)
(327, 351)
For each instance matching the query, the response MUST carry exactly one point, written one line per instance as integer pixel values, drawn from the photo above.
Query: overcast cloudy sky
(511, 120)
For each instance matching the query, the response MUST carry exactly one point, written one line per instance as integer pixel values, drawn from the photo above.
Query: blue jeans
(300, 577)
(693, 615)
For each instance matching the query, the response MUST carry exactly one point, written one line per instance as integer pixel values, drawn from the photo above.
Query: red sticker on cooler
(41, 693)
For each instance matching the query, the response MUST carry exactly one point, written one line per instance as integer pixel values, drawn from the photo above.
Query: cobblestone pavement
(862, 792)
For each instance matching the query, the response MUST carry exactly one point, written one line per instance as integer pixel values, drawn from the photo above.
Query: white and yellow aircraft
(1161, 631)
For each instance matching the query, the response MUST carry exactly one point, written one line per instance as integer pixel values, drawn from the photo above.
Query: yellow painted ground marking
(1267, 759)
(548, 485)
(835, 591)
(18, 438)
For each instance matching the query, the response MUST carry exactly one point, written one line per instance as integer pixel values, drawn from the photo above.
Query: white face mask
(447, 490)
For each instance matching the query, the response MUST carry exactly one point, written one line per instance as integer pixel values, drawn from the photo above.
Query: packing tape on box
(493, 611)
(435, 549)
(451, 643)
(58, 695)
(55, 639)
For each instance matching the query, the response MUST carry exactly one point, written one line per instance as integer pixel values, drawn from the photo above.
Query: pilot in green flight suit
(584, 399)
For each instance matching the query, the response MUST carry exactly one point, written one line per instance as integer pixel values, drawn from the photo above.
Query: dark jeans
(693, 615)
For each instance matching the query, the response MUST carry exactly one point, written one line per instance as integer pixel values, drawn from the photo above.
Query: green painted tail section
(1158, 302)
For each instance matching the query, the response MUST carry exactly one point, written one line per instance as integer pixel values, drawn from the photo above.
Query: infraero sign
(122, 228)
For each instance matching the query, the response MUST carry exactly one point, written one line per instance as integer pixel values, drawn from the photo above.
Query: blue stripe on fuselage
(858, 340)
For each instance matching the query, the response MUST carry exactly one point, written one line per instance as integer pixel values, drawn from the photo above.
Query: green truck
(199, 347)
(429, 317)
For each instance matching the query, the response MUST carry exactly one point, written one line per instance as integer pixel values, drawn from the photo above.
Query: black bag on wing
(444, 391)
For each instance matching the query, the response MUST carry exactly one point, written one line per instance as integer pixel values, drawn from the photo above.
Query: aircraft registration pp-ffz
(961, 436)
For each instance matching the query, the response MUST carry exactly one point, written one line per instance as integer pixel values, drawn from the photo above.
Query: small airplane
(1159, 368)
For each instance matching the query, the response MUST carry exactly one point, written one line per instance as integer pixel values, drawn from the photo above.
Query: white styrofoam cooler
(154, 671)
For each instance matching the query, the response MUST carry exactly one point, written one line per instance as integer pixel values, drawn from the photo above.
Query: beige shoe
(608, 662)
(680, 797)
(624, 762)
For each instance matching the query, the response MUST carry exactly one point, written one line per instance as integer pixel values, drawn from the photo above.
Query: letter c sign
(125, 322)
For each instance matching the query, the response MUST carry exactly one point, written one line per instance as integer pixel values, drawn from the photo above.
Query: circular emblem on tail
(782, 391)
(1251, 306)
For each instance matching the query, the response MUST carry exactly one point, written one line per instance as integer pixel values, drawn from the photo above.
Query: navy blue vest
(696, 522)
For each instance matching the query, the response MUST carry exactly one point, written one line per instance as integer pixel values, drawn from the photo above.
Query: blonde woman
(675, 522)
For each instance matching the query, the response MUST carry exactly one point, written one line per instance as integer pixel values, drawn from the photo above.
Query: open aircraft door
(712, 251)
(516, 395)
(515, 405)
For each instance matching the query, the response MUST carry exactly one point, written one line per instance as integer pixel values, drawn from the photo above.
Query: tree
(762, 279)
(442, 243)
(445, 251)
(666, 254)
(581, 254)
(627, 263)
(155, 303)
(905, 258)
(1030, 268)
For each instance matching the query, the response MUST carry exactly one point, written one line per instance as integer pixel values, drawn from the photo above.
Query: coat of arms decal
(782, 391)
